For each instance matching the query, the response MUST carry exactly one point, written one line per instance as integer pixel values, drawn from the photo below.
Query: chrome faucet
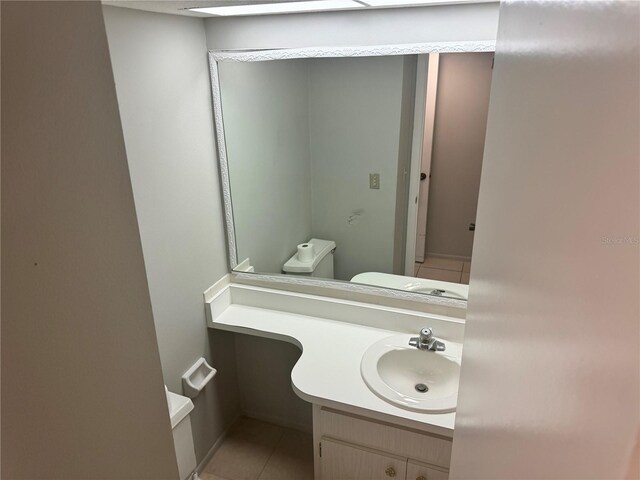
(426, 341)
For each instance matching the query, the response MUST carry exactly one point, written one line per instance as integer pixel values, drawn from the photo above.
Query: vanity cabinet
(352, 447)
(422, 471)
(346, 462)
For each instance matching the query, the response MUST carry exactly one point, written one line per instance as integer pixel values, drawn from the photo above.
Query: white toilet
(317, 260)
(179, 409)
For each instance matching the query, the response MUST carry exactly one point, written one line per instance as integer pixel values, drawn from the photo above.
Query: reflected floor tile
(437, 274)
(443, 263)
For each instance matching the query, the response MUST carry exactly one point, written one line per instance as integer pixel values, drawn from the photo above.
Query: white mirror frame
(216, 56)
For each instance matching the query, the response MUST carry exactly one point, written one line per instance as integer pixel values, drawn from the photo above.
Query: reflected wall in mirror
(325, 158)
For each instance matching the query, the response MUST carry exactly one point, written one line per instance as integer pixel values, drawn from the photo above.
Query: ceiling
(179, 7)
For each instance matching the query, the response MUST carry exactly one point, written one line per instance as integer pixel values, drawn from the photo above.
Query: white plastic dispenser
(195, 379)
(313, 258)
(179, 409)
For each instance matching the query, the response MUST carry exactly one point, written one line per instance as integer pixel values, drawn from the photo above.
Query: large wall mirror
(358, 167)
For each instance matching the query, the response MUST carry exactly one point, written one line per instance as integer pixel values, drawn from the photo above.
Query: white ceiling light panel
(282, 7)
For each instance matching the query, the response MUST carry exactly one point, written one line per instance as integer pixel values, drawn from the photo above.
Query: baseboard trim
(207, 458)
(460, 258)
(282, 422)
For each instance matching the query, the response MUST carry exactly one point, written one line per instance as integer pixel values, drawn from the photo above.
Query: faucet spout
(426, 341)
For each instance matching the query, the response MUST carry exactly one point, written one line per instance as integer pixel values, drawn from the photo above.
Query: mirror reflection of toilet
(313, 258)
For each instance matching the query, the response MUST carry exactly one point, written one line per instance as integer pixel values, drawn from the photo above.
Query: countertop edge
(442, 429)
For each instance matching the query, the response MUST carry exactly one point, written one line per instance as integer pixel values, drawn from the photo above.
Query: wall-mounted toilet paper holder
(194, 379)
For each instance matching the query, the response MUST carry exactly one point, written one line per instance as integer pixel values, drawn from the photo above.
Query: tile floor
(445, 269)
(256, 450)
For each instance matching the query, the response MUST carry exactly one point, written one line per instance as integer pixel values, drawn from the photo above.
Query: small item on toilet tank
(305, 252)
(319, 263)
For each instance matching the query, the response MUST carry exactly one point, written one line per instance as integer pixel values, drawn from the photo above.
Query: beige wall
(162, 82)
(464, 81)
(82, 393)
(550, 376)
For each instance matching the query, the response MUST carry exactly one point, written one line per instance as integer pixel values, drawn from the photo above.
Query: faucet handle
(426, 334)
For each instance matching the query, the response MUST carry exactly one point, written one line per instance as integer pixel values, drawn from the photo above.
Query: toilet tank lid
(321, 248)
(179, 406)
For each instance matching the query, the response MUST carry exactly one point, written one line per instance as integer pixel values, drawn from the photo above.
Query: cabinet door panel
(385, 437)
(420, 471)
(341, 461)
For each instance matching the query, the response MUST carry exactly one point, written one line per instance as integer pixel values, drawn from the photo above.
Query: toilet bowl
(319, 262)
(179, 409)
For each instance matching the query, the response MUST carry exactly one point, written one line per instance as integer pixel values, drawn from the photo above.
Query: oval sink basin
(410, 378)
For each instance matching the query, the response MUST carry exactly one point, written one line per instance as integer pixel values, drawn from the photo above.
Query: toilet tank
(319, 265)
(179, 409)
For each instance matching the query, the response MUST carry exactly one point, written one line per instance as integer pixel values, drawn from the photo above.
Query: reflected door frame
(424, 119)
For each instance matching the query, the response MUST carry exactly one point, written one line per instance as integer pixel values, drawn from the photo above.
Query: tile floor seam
(275, 446)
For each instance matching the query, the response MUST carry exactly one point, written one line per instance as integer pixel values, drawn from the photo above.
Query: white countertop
(328, 371)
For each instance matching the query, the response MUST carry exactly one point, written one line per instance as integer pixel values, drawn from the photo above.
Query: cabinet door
(421, 471)
(342, 461)
(383, 437)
